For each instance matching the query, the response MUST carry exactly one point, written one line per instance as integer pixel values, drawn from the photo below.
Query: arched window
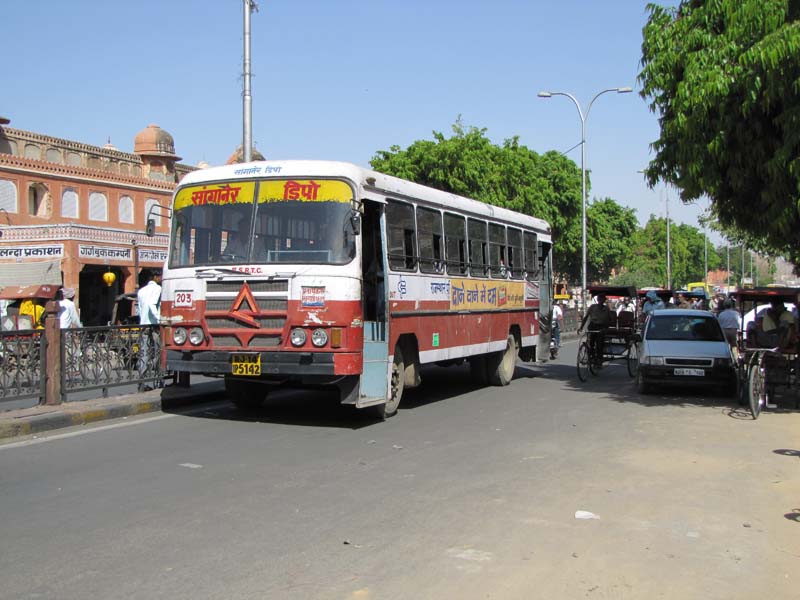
(33, 151)
(126, 209)
(8, 196)
(98, 207)
(69, 203)
(155, 215)
(38, 200)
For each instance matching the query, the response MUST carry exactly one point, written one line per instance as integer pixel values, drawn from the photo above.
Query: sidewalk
(27, 421)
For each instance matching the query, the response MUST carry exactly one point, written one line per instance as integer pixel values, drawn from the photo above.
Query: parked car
(684, 347)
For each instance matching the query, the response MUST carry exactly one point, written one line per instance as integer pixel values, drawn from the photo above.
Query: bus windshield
(274, 222)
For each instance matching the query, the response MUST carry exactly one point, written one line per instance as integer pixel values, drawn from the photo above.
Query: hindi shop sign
(21, 252)
(105, 253)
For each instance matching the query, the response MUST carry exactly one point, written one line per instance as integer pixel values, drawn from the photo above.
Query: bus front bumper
(278, 364)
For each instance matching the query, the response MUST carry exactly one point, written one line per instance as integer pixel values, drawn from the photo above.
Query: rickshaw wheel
(757, 390)
(633, 360)
(583, 361)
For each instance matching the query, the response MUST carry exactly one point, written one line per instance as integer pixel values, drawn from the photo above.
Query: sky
(340, 79)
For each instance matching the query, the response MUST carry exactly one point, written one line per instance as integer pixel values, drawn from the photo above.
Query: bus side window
(530, 251)
(402, 242)
(515, 253)
(455, 241)
(478, 265)
(429, 227)
(497, 251)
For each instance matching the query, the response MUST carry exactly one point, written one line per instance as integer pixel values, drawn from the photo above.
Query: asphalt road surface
(547, 488)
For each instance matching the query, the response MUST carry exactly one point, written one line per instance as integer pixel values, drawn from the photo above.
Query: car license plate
(246, 364)
(690, 372)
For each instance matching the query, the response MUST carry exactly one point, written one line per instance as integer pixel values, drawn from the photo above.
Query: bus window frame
(430, 264)
(459, 266)
(482, 268)
(498, 269)
(410, 262)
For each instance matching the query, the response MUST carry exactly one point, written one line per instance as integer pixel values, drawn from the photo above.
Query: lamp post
(583, 116)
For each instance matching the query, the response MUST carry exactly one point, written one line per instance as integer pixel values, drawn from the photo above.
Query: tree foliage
(645, 263)
(724, 78)
(547, 186)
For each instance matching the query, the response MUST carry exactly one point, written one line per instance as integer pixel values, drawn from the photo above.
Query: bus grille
(263, 304)
(264, 341)
(231, 323)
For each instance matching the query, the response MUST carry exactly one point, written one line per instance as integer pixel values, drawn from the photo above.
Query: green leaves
(723, 76)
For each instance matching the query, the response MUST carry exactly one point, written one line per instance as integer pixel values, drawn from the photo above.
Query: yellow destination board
(229, 192)
(304, 190)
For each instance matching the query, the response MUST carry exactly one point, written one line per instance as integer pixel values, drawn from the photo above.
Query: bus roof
(368, 181)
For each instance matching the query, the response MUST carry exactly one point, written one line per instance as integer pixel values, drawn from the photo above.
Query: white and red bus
(325, 274)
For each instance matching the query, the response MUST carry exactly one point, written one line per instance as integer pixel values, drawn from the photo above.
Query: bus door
(375, 376)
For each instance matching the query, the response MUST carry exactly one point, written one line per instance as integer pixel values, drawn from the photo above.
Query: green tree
(512, 176)
(609, 228)
(722, 75)
(645, 263)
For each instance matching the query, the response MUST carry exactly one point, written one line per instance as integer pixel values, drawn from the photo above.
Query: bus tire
(245, 395)
(396, 386)
(500, 365)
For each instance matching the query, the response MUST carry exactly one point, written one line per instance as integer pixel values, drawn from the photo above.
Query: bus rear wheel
(501, 364)
(245, 395)
(396, 386)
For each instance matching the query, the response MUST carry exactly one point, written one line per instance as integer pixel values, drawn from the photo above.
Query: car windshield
(289, 222)
(684, 327)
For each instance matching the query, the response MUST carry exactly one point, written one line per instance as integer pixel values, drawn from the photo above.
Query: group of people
(774, 327)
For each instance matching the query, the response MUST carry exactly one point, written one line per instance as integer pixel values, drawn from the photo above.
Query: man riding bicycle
(599, 318)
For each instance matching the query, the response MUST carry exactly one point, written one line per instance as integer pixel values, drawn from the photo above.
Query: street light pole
(583, 116)
(669, 254)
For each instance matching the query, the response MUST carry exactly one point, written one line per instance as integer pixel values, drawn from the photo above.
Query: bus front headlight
(297, 337)
(319, 338)
(179, 336)
(196, 336)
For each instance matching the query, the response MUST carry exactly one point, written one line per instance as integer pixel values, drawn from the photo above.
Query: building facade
(71, 212)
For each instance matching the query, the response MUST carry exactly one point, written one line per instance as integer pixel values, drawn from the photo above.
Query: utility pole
(728, 269)
(247, 99)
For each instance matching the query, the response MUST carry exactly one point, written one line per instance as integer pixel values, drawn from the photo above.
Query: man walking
(67, 313)
(148, 299)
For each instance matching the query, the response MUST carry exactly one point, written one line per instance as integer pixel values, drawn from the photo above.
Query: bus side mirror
(355, 223)
(150, 230)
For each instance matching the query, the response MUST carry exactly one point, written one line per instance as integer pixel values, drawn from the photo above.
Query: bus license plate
(246, 364)
(690, 372)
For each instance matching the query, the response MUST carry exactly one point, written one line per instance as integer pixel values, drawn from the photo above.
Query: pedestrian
(683, 302)
(67, 313)
(730, 321)
(558, 321)
(652, 303)
(148, 300)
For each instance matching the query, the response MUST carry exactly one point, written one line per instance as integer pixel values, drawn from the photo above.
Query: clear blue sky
(338, 79)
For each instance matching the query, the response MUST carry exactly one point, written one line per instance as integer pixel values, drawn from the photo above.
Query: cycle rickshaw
(618, 339)
(766, 361)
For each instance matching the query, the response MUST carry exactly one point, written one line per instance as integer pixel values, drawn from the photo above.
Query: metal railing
(77, 360)
(21, 360)
(97, 358)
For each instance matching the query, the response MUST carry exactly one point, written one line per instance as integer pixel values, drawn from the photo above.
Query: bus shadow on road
(321, 408)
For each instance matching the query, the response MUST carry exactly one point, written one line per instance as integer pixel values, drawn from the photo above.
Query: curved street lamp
(584, 116)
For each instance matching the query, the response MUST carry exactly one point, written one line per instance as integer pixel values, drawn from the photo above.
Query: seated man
(778, 328)
(599, 317)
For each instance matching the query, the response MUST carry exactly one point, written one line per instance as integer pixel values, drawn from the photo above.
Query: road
(467, 493)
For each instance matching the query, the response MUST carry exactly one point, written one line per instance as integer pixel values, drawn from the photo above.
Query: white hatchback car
(684, 347)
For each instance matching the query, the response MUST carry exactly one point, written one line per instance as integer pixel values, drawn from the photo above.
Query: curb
(41, 419)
